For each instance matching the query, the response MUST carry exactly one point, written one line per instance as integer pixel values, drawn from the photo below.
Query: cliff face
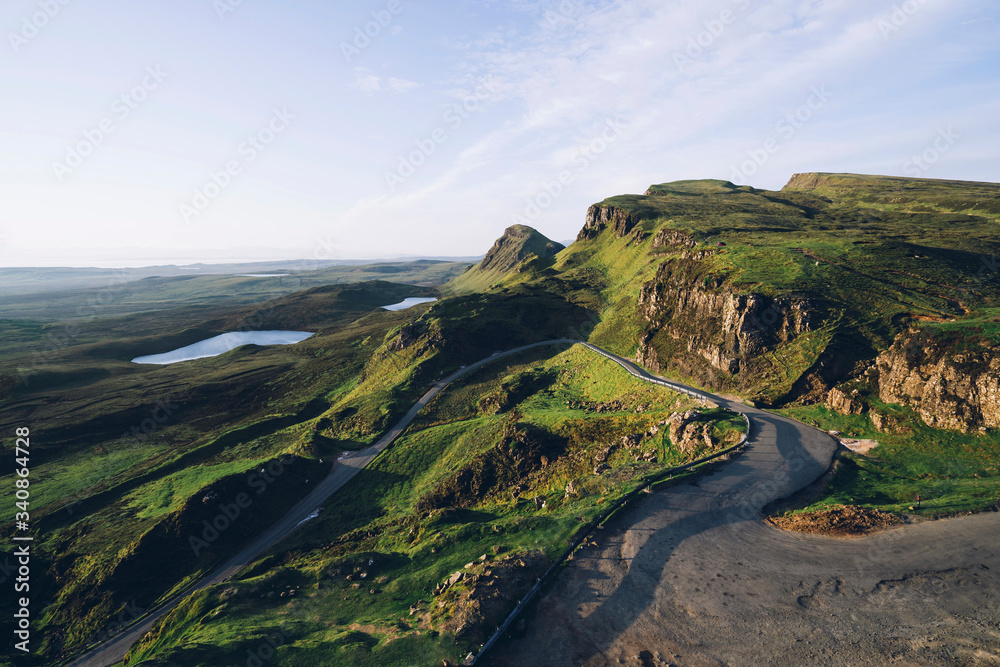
(792, 296)
(948, 387)
(721, 329)
(600, 216)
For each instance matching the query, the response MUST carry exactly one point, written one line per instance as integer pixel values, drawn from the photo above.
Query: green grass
(101, 496)
(52, 295)
(375, 517)
(950, 471)
(169, 493)
(521, 250)
(986, 325)
(871, 257)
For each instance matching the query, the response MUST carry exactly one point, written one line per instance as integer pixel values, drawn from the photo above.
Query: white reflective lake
(409, 303)
(213, 347)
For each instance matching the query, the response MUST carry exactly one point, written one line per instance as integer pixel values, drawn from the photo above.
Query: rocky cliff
(949, 385)
(714, 329)
(600, 216)
(517, 244)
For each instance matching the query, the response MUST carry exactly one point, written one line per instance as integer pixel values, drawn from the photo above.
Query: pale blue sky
(367, 155)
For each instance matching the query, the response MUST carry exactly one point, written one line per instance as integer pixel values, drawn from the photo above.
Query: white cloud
(694, 123)
(401, 85)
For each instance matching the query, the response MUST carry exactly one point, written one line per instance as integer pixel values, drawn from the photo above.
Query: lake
(409, 303)
(213, 347)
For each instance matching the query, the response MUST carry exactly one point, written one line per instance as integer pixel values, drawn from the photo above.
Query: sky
(211, 130)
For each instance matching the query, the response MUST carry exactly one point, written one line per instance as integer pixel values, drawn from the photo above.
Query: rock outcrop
(517, 244)
(475, 600)
(600, 216)
(949, 387)
(672, 239)
(719, 327)
(688, 433)
(845, 402)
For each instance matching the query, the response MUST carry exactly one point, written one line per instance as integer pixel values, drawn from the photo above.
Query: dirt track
(691, 576)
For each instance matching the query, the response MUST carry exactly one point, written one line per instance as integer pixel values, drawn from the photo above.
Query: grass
(521, 249)
(869, 257)
(168, 494)
(40, 298)
(374, 525)
(103, 496)
(950, 471)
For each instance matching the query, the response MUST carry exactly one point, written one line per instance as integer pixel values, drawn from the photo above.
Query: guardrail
(642, 375)
(523, 602)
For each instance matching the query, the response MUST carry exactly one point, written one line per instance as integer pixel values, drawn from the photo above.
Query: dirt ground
(693, 576)
(845, 521)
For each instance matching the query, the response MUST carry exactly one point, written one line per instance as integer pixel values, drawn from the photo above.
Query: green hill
(519, 248)
(865, 304)
(782, 295)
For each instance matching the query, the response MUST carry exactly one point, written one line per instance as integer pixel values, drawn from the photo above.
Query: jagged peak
(517, 243)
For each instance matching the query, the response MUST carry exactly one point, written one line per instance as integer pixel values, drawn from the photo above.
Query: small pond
(213, 347)
(409, 303)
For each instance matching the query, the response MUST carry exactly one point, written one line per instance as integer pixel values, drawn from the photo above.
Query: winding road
(691, 576)
(114, 649)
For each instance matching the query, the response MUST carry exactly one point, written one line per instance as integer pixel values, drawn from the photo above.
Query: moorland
(867, 306)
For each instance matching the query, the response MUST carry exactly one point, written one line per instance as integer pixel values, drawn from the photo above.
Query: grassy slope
(332, 620)
(99, 496)
(518, 250)
(882, 254)
(878, 259)
(950, 471)
(878, 254)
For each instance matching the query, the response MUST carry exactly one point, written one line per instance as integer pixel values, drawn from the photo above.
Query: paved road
(691, 576)
(115, 648)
